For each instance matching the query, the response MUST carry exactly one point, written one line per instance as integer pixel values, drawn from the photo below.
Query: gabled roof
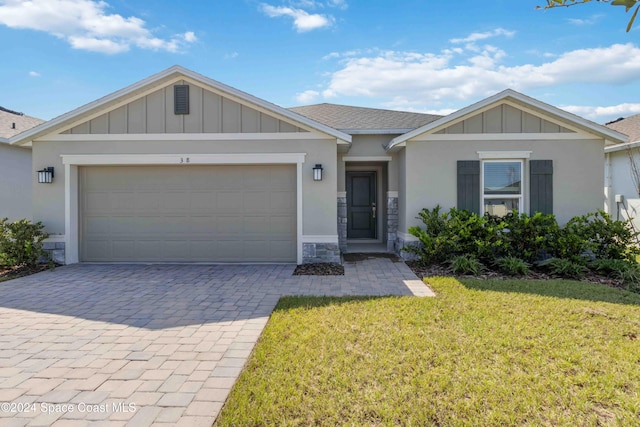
(361, 120)
(157, 80)
(12, 123)
(630, 126)
(509, 94)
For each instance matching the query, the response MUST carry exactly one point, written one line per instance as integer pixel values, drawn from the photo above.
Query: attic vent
(181, 99)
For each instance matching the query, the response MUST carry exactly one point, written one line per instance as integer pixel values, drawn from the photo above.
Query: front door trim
(373, 195)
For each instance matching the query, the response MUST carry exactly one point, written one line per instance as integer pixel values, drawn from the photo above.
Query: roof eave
(376, 131)
(607, 134)
(27, 136)
(620, 147)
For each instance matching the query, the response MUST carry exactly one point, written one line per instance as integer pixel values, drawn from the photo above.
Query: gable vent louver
(181, 99)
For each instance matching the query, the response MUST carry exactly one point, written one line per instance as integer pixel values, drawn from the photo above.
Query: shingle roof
(347, 118)
(629, 126)
(13, 123)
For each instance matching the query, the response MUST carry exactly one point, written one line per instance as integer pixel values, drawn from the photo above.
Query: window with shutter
(502, 186)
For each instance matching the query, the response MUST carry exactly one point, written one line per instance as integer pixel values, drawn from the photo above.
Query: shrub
(566, 268)
(528, 237)
(625, 271)
(21, 243)
(512, 266)
(456, 232)
(466, 264)
(608, 266)
(598, 233)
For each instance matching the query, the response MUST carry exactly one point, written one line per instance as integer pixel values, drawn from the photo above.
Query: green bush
(456, 232)
(466, 264)
(527, 237)
(21, 243)
(597, 233)
(512, 266)
(566, 268)
(627, 272)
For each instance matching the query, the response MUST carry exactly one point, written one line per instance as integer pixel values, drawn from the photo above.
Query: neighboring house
(15, 166)
(181, 168)
(622, 191)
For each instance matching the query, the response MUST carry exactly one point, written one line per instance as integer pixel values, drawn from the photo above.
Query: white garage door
(216, 213)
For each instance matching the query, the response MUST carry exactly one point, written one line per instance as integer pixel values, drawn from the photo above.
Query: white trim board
(285, 136)
(320, 239)
(71, 190)
(556, 136)
(182, 159)
(504, 154)
(407, 237)
(366, 158)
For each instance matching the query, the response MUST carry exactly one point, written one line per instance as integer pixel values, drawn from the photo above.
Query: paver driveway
(148, 344)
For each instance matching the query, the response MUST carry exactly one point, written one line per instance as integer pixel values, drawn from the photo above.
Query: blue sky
(414, 55)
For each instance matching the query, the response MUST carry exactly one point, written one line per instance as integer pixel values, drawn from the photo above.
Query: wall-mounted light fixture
(45, 176)
(317, 172)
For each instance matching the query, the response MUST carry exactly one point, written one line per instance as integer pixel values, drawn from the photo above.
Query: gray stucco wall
(372, 146)
(578, 175)
(15, 182)
(319, 198)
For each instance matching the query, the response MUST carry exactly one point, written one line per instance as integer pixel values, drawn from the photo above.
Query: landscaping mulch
(441, 270)
(319, 269)
(8, 273)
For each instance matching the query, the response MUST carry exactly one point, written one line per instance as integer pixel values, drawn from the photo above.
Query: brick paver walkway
(140, 345)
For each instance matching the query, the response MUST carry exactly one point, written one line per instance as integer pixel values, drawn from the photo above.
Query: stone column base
(320, 252)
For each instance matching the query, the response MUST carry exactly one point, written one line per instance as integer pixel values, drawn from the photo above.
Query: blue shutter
(469, 185)
(541, 186)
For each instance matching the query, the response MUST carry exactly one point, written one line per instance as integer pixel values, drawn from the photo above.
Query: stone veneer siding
(401, 243)
(320, 252)
(392, 221)
(342, 221)
(55, 251)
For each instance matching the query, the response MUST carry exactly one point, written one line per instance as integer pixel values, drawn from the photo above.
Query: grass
(483, 352)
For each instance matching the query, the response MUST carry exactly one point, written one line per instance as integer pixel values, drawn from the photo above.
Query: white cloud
(474, 37)
(589, 21)
(231, 55)
(602, 114)
(302, 20)
(34, 74)
(86, 25)
(190, 37)
(429, 79)
(307, 97)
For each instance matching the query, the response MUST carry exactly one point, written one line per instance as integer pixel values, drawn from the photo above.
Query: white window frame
(484, 196)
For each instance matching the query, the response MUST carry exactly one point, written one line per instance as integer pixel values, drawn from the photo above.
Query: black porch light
(317, 172)
(45, 176)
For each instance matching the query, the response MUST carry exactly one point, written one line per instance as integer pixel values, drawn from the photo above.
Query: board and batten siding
(209, 112)
(504, 119)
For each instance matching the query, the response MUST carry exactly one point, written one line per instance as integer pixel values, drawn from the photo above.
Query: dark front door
(361, 205)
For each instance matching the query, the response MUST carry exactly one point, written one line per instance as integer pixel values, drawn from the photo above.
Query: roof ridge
(6, 110)
(364, 108)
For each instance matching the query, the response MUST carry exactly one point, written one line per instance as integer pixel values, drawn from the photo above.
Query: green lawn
(482, 353)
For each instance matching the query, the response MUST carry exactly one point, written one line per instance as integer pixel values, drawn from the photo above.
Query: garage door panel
(188, 213)
(282, 202)
(256, 202)
(174, 201)
(228, 201)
